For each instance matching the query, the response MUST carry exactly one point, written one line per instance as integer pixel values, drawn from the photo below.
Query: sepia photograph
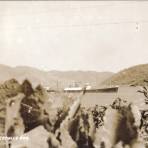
(73, 74)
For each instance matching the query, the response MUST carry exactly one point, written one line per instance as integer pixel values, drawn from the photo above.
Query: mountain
(92, 77)
(52, 79)
(136, 75)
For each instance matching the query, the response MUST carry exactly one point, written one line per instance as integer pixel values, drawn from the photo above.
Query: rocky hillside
(136, 75)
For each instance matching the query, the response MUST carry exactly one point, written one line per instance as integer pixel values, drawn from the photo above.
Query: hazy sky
(101, 36)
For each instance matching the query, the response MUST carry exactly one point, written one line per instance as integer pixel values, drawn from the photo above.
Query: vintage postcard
(73, 74)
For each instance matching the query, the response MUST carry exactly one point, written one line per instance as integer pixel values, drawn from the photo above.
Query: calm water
(91, 99)
(128, 93)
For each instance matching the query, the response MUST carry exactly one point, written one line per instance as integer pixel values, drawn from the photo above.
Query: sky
(74, 35)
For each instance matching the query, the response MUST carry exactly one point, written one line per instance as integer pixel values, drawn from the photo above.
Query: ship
(75, 88)
(109, 89)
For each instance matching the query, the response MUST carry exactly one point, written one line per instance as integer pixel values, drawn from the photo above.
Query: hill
(136, 75)
(52, 78)
(92, 77)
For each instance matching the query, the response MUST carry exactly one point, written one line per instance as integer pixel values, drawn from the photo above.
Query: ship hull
(99, 90)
